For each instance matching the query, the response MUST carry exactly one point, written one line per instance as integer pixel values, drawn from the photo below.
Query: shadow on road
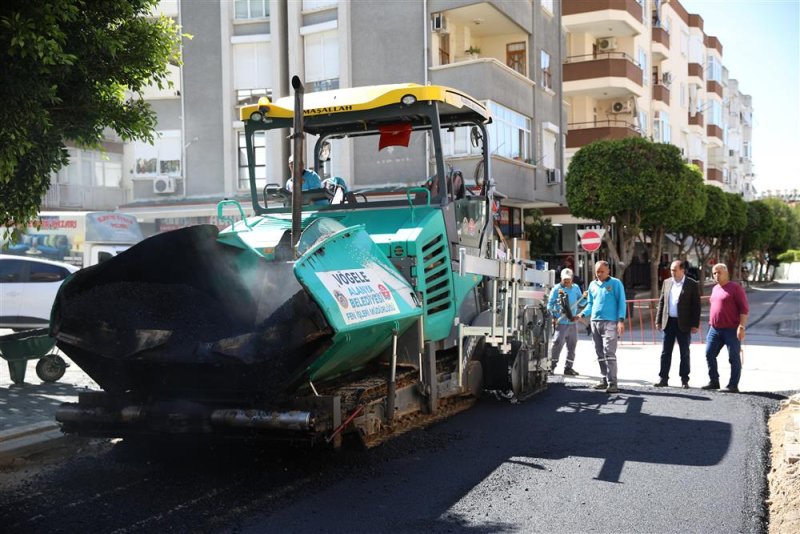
(33, 403)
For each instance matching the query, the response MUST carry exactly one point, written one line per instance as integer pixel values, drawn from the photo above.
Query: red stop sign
(591, 240)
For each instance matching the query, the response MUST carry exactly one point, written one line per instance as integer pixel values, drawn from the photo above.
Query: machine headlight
(256, 116)
(408, 100)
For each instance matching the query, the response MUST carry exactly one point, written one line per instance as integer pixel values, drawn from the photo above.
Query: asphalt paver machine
(327, 312)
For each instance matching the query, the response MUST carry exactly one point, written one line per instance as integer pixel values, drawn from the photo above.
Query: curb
(20, 441)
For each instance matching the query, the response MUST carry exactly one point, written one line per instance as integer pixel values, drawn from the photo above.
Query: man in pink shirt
(728, 318)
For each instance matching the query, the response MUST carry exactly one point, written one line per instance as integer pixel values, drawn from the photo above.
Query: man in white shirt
(678, 317)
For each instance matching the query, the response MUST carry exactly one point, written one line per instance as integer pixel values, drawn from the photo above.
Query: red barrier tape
(640, 323)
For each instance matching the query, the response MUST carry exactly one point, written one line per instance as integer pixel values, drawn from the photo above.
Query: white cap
(566, 273)
(291, 159)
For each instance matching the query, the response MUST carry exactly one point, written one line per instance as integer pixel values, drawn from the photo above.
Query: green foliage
(541, 233)
(68, 70)
(737, 214)
(789, 256)
(715, 220)
(759, 227)
(785, 232)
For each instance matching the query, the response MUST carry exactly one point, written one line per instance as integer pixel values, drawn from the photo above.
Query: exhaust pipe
(299, 166)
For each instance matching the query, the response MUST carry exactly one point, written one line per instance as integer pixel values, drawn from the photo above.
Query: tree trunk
(654, 254)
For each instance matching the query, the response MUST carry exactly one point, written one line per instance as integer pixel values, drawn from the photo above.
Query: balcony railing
(696, 119)
(713, 86)
(322, 85)
(699, 163)
(583, 133)
(661, 36)
(602, 65)
(715, 174)
(84, 197)
(661, 93)
(576, 7)
(712, 130)
(696, 69)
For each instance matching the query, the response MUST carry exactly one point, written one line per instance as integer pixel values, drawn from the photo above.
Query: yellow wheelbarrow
(20, 347)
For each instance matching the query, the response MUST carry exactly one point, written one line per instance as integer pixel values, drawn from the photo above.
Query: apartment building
(505, 53)
(648, 68)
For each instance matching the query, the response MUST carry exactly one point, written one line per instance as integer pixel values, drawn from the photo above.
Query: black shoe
(711, 385)
(569, 371)
(685, 385)
(550, 372)
(603, 384)
(661, 383)
(612, 388)
(731, 389)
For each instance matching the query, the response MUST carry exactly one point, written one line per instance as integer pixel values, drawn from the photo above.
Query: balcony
(713, 43)
(583, 133)
(696, 120)
(714, 134)
(85, 197)
(608, 18)
(661, 93)
(660, 44)
(699, 163)
(714, 174)
(695, 72)
(488, 79)
(607, 75)
(713, 86)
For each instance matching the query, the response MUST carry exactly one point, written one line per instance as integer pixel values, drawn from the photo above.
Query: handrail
(601, 124)
(411, 200)
(600, 55)
(222, 217)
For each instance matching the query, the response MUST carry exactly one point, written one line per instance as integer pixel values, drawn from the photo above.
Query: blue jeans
(717, 337)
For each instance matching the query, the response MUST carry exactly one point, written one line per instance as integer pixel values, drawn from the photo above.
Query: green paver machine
(329, 311)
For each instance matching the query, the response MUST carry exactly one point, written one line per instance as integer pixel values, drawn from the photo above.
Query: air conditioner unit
(620, 107)
(666, 78)
(553, 176)
(731, 152)
(606, 44)
(439, 23)
(163, 185)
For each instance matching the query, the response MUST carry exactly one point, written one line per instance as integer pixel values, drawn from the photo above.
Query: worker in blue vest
(607, 309)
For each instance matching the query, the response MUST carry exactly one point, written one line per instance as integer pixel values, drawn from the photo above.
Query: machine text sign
(361, 294)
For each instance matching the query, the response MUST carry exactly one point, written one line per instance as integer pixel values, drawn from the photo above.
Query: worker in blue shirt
(566, 329)
(606, 307)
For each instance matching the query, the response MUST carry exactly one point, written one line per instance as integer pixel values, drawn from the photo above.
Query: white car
(28, 287)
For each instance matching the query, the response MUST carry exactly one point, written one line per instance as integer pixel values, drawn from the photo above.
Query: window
(11, 271)
(549, 139)
(547, 78)
(714, 69)
(251, 96)
(456, 142)
(509, 133)
(746, 149)
(684, 44)
(91, 168)
(683, 95)
(714, 112)
(260, 148)
(444, 49)
(321, 53)
(516, 57)
(641, 117)
(548, 6)
(251, 9)
(162, 157)
(643, 65)
(44, 272)
(251, 71)
(315, 5)
(662, 132)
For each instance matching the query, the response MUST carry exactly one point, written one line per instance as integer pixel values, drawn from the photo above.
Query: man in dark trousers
(678, 317)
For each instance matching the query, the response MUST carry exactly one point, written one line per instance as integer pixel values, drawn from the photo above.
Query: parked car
(28, 287)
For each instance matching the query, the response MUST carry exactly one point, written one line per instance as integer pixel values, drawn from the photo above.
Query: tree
(707, 231)
(785, 232)
(631, 182)
(733, 233)
(683, 203)
(68, 70)
(541, 233)
(757, 233)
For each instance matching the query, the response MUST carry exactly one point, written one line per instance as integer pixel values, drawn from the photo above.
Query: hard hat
(566, 273)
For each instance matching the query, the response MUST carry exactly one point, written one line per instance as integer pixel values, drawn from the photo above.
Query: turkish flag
(394, 135)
